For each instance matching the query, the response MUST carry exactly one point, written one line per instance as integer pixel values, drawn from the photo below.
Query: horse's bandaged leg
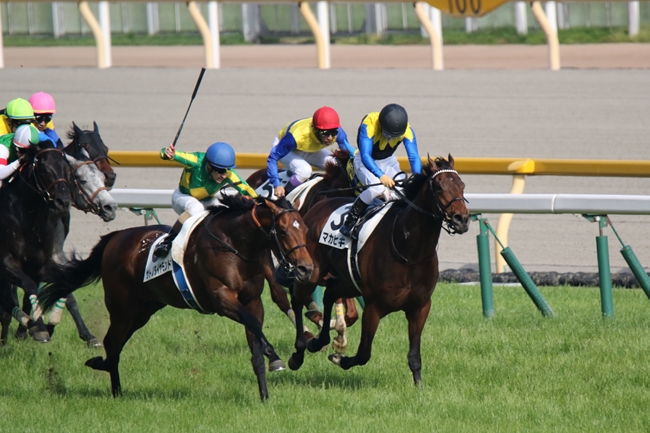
(22, 318)
(57, 312)
(36, 309)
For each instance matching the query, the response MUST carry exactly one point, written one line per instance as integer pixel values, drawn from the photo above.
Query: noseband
(273, 235)
(40, 187)
(89, 199)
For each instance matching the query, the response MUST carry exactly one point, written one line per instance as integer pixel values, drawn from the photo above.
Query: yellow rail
(497, 166)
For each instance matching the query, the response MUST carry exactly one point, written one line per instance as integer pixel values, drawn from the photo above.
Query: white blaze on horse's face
(296, 224)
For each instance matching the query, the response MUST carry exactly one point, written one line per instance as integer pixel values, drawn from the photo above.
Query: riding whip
(196, 89)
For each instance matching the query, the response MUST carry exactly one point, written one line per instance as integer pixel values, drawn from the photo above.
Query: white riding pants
(299, 163)
(390, 167)
(185, 202)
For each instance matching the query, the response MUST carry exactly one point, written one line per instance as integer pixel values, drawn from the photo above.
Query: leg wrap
(36, 309)
(57, 312)
(22, 318)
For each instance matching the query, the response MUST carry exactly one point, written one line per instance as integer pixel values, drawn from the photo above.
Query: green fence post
(602, 250)
(484, 268)
(527, 282)
(633, 262)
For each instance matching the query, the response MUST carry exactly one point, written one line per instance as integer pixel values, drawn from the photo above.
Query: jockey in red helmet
(303, 143)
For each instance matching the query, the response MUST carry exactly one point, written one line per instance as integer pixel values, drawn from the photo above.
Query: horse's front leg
(416, 320)
(369, 324)
(299, 293)
(323, 340)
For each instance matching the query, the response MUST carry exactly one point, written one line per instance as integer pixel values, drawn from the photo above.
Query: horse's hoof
(21, 333)
(94, 342)
(293, 364)
(335, 358)
(41, 337)
(340, 344)
(95, 362)
(277, 365)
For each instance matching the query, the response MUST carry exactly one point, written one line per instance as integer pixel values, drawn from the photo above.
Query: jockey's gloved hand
(387, 181)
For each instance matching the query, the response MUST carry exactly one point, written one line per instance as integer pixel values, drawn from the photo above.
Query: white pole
(2, 49)
(153, 19)
(521, 19)
(322, 8)
(551, 15)
(436, 19)
(105, 24)
(213, 22)
(633, 19)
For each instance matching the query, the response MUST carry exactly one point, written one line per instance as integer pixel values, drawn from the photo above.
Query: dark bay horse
(224, 260)
(90, 144)
(335, 182)
(398, 265)
(33, 202)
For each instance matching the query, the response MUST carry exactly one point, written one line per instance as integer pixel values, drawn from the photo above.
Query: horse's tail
(76, 273)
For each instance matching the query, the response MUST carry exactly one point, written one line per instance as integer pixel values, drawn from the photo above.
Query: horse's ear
(95, 128)
(274, 208)
(451, 160)
(76, 129)
(432, 163)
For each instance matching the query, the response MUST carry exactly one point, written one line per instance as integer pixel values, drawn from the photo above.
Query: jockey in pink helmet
(44, 108)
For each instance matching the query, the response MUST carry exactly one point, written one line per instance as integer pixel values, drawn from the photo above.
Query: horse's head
(90, 144)
(47, 172)
(90, 194)
(289, 232)
(447, 189)
(336, 172)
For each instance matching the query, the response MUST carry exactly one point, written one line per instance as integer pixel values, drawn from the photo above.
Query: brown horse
(224, 260)
(398, 266)
(335, 182)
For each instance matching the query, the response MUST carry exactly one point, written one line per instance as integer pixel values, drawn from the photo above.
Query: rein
(273, 235)
(441, 214)
(40, 188)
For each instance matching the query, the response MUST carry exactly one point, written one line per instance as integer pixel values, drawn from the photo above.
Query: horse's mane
(242, 203)
(71, 133)
(414, 183)
(335, 169)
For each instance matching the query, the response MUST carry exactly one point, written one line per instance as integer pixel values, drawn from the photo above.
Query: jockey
(18, 112)
(379, 135)
(13, 148)
(205, 174)
(44, 108)
(301, 144)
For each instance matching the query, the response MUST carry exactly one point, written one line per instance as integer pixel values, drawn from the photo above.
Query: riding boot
(358, 208)
(162, 249)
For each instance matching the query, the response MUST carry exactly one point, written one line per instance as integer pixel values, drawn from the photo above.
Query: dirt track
(594, 56)
(511, 107)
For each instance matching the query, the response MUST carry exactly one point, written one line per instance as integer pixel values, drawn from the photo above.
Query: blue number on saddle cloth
(267, 190)
(156, 266)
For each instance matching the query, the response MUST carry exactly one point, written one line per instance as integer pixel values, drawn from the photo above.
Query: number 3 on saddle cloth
(156, 267)
(332, 237)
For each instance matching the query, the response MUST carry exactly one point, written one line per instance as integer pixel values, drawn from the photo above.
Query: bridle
(40, 188)
(102, 155)
(89, 199)
(441, 213)
(272, 235)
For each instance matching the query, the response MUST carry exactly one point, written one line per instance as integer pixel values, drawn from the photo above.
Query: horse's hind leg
(416, 320)
(125, 320)
(5, 321)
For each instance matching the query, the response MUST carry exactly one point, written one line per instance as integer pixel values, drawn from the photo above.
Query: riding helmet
(43, 103)
(25, 136)
(326, 118)
(393, 120)
(19, 109)
(221, 155)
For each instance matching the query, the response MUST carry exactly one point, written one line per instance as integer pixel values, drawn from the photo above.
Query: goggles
(43, 118)
(217, 170)
(322, 133)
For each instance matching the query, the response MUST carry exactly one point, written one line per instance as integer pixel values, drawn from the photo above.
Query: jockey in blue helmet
(205, 174)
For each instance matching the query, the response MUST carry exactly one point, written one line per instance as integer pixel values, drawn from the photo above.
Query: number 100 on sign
(466, 8)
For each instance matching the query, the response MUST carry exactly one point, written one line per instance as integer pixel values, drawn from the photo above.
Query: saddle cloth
(295, 197)
(156, 267)
(331, 236)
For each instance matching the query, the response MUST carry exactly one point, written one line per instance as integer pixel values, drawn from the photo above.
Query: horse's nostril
(109, 208)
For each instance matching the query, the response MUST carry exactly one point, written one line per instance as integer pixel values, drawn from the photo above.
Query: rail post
(484, 266)
(604, 275)
(633, 262)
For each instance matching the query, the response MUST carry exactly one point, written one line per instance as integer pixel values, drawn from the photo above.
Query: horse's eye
(282, 232)
(83, 182)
